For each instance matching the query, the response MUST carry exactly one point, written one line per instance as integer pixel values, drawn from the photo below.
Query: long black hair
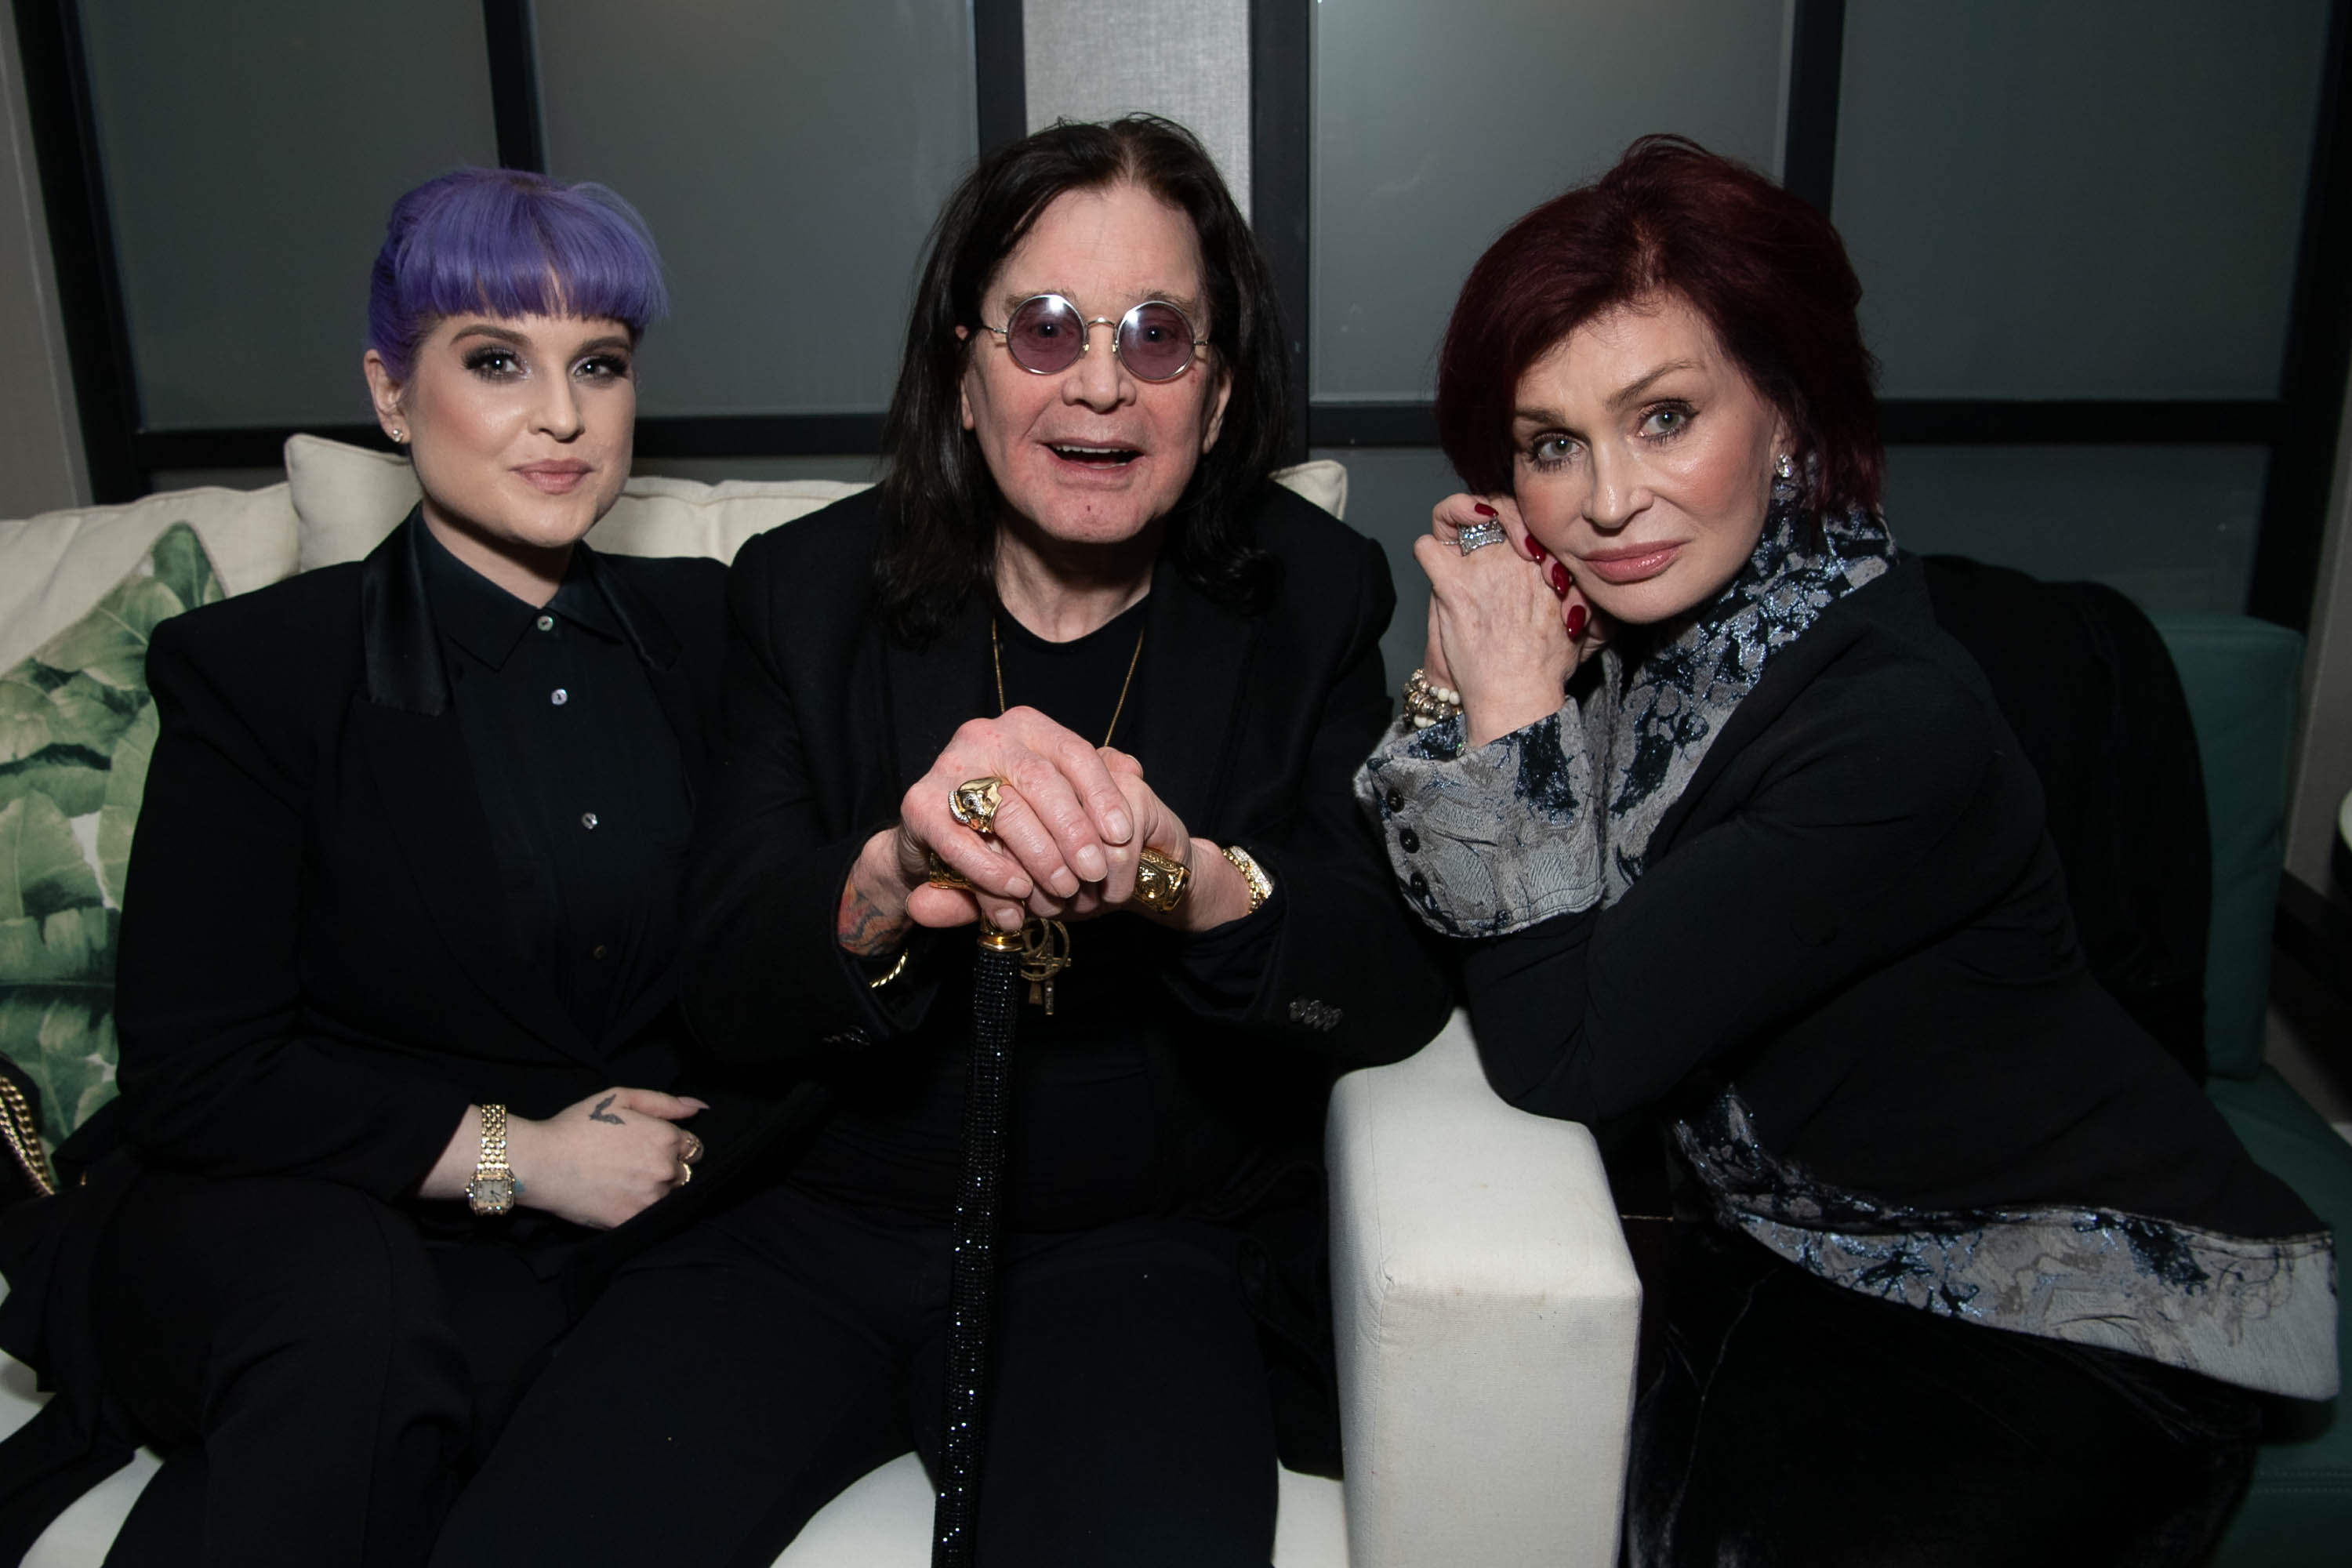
(939, 503)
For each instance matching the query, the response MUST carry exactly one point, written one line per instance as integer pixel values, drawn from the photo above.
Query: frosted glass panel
(790, 158)
(2064, 200)
(251, 154)
(1390, 492)
(2171, 526)
(1435, 126)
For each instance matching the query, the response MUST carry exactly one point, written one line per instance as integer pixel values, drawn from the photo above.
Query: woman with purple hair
(398, 1036)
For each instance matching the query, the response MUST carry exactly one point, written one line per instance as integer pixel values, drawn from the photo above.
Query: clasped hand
(1507, 625)
(1070, 823)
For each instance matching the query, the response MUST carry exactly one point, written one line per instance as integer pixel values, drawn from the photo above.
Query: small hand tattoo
(598, 1114)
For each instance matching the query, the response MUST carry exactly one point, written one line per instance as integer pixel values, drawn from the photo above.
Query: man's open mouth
(1094, 456)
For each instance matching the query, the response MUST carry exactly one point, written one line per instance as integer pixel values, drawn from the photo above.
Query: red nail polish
(1560, 582)
(1482, 509)
(1534, 550)
(1576, 620)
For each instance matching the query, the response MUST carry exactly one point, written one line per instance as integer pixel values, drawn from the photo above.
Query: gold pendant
(1045, 952)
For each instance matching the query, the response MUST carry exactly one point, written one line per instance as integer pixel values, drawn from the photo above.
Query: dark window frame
(2298, 429)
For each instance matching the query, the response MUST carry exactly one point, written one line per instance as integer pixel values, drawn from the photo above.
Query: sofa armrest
(1488, 1316)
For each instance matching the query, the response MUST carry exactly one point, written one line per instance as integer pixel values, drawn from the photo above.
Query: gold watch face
(492, 1195)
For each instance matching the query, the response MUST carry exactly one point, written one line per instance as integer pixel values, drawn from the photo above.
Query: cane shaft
(995, 1002)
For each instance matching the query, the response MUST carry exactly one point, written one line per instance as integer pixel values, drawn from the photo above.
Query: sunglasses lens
(1045, 334)
(1155, 341)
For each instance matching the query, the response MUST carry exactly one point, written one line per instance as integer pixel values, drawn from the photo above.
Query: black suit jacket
(1251, 729)
(317, 974)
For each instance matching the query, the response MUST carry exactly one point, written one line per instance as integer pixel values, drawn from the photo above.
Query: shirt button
(599, 953)
(588, 819)
(1409, 841)
(1417, 882)
(547, 623)
(559, 696)
(1396, 800)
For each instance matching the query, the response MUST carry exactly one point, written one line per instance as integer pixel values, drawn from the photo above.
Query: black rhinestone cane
(994, 975)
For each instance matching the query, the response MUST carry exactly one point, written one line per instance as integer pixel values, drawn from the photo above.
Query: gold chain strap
(24, 1135)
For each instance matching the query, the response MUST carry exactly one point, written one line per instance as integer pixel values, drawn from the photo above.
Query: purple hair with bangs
(505, 242)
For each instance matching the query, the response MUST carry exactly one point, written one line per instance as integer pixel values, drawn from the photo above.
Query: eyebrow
(1190, 307)
(520, 341)
(1617, 400)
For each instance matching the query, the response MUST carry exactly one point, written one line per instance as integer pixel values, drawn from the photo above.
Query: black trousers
(733, 1380)
(1786, 1420)
(318, 1379)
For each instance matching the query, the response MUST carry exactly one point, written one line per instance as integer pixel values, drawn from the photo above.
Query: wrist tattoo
(598, 1114)
(863, 928)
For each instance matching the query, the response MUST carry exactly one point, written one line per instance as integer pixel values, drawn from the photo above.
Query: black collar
(486, 620)
(398, 608)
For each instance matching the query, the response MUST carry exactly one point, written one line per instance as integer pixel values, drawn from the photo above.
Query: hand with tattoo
(596, 1163)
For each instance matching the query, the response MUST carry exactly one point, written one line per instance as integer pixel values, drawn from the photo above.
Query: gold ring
(1161, 883)
(693, 1150)
(975, 802)
(684, 1173)
(942, 875)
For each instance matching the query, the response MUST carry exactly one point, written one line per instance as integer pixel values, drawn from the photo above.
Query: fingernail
(1534, 550)
(1065, 882)
(1090, 867)
(1020, 889)
(1482, 509)
(698, 1104)
(1117, 825)
(1560, 582)
(1007, 920)
(1576, 620)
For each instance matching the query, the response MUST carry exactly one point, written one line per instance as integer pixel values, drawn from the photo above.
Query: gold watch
(492, 1189)
(1261, 886)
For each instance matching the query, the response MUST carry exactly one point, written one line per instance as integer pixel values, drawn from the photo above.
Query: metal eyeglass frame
(1087, 325)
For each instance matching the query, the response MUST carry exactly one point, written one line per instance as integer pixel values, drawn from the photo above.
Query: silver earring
(398, 436)
(1785, 468)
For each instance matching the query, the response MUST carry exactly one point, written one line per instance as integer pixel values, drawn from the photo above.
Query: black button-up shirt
(578, 775)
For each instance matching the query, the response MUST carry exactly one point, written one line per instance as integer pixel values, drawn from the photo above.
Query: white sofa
(1486, 1305)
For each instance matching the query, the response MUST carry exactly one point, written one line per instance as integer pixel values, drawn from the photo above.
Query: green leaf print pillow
(76, 730)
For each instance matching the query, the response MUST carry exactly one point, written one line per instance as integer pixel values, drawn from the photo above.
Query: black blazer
(1854, 914)
(1251, 729)
(316, 973)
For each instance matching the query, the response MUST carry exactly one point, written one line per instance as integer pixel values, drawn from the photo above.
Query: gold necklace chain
(996, 661)
(1046, 944)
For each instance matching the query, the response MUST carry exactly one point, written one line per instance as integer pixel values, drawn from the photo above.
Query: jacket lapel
(663, 654)
(432, 806)
(1197, 660)
(935, 688)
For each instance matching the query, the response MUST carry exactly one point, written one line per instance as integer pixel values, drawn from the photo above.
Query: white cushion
(348, 498)
(1322, 481)
(55, 566)
(1488, 1316)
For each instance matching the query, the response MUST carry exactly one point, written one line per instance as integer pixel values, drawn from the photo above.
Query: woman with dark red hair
(1735, 839)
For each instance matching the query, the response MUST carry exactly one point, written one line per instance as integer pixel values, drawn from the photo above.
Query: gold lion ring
(693, 1150)
(1161, 883)
(975, 802)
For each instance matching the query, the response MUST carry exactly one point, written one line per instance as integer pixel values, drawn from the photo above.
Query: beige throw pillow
(55, 566)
